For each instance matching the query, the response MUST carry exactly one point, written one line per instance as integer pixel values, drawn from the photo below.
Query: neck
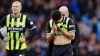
(16, 15)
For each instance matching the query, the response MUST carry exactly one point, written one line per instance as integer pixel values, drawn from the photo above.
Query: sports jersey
(16, 28)
(66, 24)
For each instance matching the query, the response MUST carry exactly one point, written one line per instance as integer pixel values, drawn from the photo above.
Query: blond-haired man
(16, 24)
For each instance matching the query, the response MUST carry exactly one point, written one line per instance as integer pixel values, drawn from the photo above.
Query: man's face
(16, 7)
(63, 13)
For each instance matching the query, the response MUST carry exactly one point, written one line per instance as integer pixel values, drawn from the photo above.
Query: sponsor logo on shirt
(14, 29)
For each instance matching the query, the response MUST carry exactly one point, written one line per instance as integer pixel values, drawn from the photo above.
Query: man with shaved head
(16, 24)
(64, 11)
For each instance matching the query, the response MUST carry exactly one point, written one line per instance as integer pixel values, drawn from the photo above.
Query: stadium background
(85, 12)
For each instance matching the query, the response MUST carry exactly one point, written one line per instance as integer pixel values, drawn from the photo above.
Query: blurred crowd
(85, 12)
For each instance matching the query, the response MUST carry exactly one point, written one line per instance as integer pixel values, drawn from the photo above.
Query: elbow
(35, 31)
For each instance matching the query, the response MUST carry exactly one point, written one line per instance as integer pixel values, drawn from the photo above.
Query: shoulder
(51, 20)
(6, 16)
(10, 14)
(66, 19)
(71, 22)
(25, 16)
(69, 19)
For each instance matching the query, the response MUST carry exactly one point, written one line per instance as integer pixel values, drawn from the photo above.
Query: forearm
(49, 37)
(33, 33)
(69, 35)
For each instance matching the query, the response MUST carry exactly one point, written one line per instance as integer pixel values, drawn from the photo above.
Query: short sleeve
(30, 24)
(71, 25)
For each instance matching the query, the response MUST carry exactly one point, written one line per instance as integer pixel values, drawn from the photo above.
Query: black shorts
(15, 52)
(62, 50)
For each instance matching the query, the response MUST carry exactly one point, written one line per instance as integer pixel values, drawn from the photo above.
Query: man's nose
(14, 8)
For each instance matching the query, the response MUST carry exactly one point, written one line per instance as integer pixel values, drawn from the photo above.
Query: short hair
(18, 2)
(56, 15)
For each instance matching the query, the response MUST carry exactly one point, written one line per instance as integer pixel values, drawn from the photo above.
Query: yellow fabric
(17, 34)
(23, 25)
(23, 21)
(7, 21)
(10, 34)
(60, 24)
(51, 22)
(7, 43)
(24, 43)
(7, 24)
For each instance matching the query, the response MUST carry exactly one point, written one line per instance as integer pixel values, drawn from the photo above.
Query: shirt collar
(16, 17)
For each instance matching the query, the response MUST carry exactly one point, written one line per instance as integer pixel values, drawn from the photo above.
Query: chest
(15, 24)
(63, 26)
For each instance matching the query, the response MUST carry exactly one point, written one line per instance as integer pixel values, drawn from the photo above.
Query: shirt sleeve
(48, 29)
(30, 24)
(32, 27)
(2, 24)
(71, 26)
